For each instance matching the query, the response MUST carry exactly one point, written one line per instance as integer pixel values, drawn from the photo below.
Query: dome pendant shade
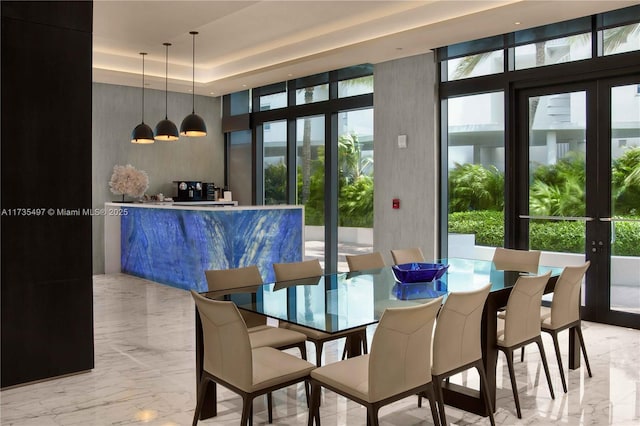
(166, 130)
(193, 126)
(142, 134)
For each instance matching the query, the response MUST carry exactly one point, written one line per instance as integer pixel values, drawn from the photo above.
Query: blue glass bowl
(418, 272)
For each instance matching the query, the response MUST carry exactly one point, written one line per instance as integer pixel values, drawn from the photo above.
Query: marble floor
(144, 374)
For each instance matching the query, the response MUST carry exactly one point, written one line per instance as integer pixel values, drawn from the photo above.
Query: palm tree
(613, 39)
(474, 187)
(625, 182)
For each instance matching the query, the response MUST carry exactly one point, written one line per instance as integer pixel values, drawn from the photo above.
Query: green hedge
(567, 237)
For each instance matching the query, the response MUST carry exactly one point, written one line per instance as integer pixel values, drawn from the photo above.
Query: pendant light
(142, 133)
(166, 130)
(193, 125)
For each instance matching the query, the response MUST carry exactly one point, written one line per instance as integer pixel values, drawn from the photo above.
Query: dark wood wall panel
(47, 300)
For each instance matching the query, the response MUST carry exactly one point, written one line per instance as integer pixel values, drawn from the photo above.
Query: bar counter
(174, 243)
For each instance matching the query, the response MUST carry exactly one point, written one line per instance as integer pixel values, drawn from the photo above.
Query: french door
(576, 188)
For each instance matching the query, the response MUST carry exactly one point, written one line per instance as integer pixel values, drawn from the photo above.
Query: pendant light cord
(166, 82)
(193, 77)
(142, 53)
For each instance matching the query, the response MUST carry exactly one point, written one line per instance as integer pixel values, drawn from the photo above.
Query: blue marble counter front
(175, 246)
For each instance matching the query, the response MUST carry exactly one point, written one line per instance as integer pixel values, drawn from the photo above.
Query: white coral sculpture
(127, 180)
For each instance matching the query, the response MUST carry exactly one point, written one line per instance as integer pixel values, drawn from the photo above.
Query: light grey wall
(116, 111)
(405, 104)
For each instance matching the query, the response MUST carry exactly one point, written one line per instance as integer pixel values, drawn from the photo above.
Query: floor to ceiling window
(540, 138)
(475, 167)
(313, 145)
(355, 180)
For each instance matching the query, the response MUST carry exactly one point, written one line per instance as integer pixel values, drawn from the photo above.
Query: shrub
(560, 236)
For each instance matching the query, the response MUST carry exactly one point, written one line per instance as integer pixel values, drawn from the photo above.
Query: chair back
(400, 356)
(410, 255)
(456, 341)
(516, 260)
(565, 306)
(522, 317)
(297, 270)
(362, 262)
(227, 350)
(231, 279)
(228, 281)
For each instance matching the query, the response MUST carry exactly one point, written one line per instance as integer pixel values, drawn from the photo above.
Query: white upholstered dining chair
(456, 343)
(516, 260)
(363, 262)
(521, 325)
(410, 255)
(227, 281)
(398, 366)
(564, 313)
(229, 359)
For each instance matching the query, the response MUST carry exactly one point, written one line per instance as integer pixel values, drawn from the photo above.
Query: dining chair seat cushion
(547, 320)
(500, 331)
(275, 337)
(350, 376)
(317, 334)
(272, 367)
(258, 328)
(545, 317)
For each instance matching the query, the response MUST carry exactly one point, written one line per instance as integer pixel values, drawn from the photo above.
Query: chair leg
(344, 351)
(432, 403)
(372, 415)
(437, 390)
(484, 386)
(314, 409)
(303, 350)
(512, 375)
(318, 353)
(584, 349)
(545, 365)
(202, 390)
(247, 410)
(270, 407)
(556, 346)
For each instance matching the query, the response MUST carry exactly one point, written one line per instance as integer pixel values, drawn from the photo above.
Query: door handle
(559, 218)
(615, 219)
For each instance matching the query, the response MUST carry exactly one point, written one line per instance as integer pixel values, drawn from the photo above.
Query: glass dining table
(337, 302)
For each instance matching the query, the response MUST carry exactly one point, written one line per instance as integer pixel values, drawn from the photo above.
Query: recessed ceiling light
(211, 93)
(289, 75)
(244, 85)
(190, 90)
(517, 22)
